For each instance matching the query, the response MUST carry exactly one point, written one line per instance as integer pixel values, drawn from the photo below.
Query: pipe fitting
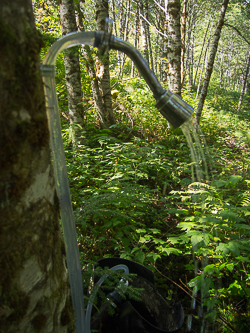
(173, 108)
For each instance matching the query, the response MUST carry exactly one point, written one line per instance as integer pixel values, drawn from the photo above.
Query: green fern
(246, 199)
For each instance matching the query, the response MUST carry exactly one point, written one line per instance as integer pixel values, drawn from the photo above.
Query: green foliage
(105, 281)
(133, 194)
(135, 199)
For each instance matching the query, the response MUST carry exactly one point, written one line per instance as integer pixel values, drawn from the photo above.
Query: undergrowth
(134, 198)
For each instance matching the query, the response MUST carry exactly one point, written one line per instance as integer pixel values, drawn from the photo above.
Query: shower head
(173, 108)
(170, 105)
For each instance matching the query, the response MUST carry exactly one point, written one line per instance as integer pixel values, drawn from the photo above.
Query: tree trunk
(228, 75)
(244, 83)
(191, 62)
(103, 116)
(164, 66)
(248, 89)
(204, 40)
(114, 18)
(221, 64)
(124, 35)
(209, 69)
(35, 294)
(204, 60)
(174, 46)
(188, 39)
(150, 53)
(143, 33)
(72, 73)
(183, 35)
(156, 54)
(136, 38)
(102, 64)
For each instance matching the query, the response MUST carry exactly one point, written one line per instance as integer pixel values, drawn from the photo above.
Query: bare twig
(239, 33)
(175, 283)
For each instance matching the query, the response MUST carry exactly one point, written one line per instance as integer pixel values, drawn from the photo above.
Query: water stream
(198, 152)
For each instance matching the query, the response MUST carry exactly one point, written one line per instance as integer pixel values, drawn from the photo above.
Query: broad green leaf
(230, 267)
(223, 248)
(173, 240)
(186, 225)
(219, 183)
(230, 215)
(139, 257)
(242, 226)
(234, 179)
(125, 242)
(196, 239)
(210, 269)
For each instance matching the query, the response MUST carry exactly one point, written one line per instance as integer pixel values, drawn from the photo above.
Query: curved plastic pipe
(93, 295)
(60, 171)
(70, 40)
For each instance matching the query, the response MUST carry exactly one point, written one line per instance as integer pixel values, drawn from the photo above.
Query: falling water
(198, 151)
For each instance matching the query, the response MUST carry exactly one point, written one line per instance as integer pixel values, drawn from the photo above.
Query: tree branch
(239, 33)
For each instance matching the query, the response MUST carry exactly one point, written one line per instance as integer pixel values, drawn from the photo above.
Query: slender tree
(221, 64)
(102, 64)
(144, 39)
(164, 68)
(213, 51)
(136, 35)
(204, 40)
(150, 51)
(91, 69)
(124, 32)
(183, 36)
(188, 36)
(228, 73)
(174, 46)
(204, 59)
(35, 294)
(244, 82)
(72, 72)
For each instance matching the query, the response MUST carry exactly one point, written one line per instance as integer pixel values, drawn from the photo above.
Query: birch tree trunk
(150, 53)
(156, 54)
(189, 32)
(221, 64)
(228, 75)
(191, 60)
(183, 36)
(204, 40)
(248, 89)
(174, 46)
(124, 34)
(120, 55)
(102, 63)
(136, 38)
(164, 67)
(244, 83)
(72, 73)
(204, 60)
(143, 33)
(209, 69)
(35, 294)
(114, 18)
(94, 81)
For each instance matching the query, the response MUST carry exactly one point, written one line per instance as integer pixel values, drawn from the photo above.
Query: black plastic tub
(150, 314)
